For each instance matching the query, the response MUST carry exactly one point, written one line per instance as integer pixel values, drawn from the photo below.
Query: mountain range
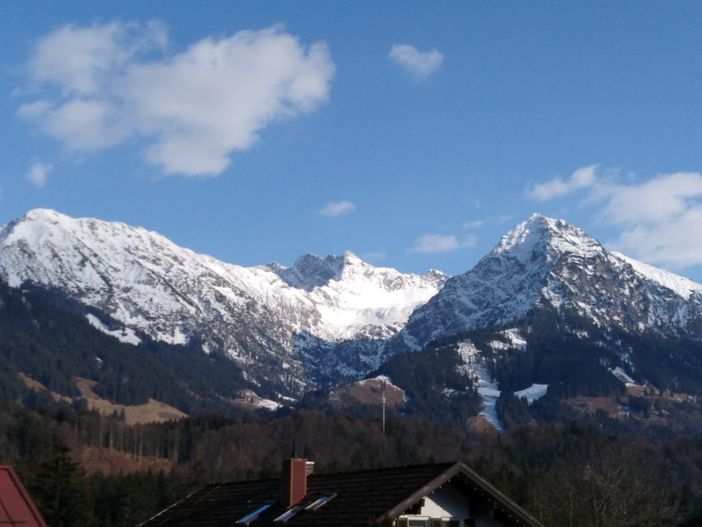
(549, 309)
(290, 328)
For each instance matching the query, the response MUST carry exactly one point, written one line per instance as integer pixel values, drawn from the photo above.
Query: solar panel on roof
(246, 520)
(287, 514)
(320, 502)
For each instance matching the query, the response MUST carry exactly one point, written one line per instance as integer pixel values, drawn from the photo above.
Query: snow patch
(125, 335)
(176, 337)
(379, 378)
(620, 374)
(252, 399)
(388, 382)
(267, 404)
(514, 340)
(489, 392)
(533, 392)
(486, 386)
(450, 392)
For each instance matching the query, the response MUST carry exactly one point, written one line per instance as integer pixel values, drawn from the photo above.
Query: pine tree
(59, 491)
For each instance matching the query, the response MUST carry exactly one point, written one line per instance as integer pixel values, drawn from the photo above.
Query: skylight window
(320, 502)
(287, 514)
(249, 518)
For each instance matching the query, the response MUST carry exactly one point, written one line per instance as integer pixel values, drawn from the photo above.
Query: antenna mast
(384, 403)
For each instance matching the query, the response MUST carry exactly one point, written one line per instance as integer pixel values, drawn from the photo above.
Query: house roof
(16, 507)
(360, 498)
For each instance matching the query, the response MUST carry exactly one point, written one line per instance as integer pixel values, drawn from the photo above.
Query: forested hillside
(47, 337)
(583, 474)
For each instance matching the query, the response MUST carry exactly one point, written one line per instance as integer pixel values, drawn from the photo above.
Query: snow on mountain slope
(125, 335)
(326, 320)
(679, 284)
(354, 298)
(280, 324)
(547, 263)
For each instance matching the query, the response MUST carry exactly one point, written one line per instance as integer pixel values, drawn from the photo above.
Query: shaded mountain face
(50, 341)
(317, 322)
(547, 264)
(311, 271)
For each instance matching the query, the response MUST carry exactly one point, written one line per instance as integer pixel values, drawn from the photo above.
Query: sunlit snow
(533, 392)
(125, 335)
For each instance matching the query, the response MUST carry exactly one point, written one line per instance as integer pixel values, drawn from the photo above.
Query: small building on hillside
(16, 507)
(438, 495)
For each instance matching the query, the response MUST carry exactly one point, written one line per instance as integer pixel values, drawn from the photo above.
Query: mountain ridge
(544, 261)
(280, 333)
(546, 288)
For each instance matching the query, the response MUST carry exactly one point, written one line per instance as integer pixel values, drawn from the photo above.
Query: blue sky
(413, 134)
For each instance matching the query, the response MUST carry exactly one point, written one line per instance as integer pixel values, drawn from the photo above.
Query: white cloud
(676, 243)
(378, 256)
(441, 243)
(79, 60)
(475, 224)
(33, 109)
(582, 178)
(419, 64)
(337, 208)
(660, 220)
(194, 108)
(658, 199)
(85, 125)
(38, 173)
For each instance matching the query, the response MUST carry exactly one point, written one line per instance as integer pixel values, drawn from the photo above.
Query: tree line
(572, 475)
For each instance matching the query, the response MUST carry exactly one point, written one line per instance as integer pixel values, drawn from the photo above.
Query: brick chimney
(294, 481)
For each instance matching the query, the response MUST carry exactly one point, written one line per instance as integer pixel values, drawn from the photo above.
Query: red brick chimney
(294, 481)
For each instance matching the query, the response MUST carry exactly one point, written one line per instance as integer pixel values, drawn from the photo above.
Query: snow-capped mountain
(327, 320)
(322, 319)
(547, 263)
(549, 309)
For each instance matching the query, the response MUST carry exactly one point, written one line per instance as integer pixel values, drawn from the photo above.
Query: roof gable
(475, 485)
(16, 507)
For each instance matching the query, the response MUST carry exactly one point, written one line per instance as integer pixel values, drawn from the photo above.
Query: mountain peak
(548, 262)
(33, 224)
(310, 271)
(351, 259)
(41, 216)
(41, 213)
(541, 234)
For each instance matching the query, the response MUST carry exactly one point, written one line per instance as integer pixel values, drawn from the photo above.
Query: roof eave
(423, 491)
(475, 478)
(24, 495)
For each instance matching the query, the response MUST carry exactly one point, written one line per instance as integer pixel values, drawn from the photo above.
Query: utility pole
(384, 404)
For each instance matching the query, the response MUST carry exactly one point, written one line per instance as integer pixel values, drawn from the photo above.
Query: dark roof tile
(361, 498)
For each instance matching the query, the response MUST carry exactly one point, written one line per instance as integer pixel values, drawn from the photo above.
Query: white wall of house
(447, 503)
